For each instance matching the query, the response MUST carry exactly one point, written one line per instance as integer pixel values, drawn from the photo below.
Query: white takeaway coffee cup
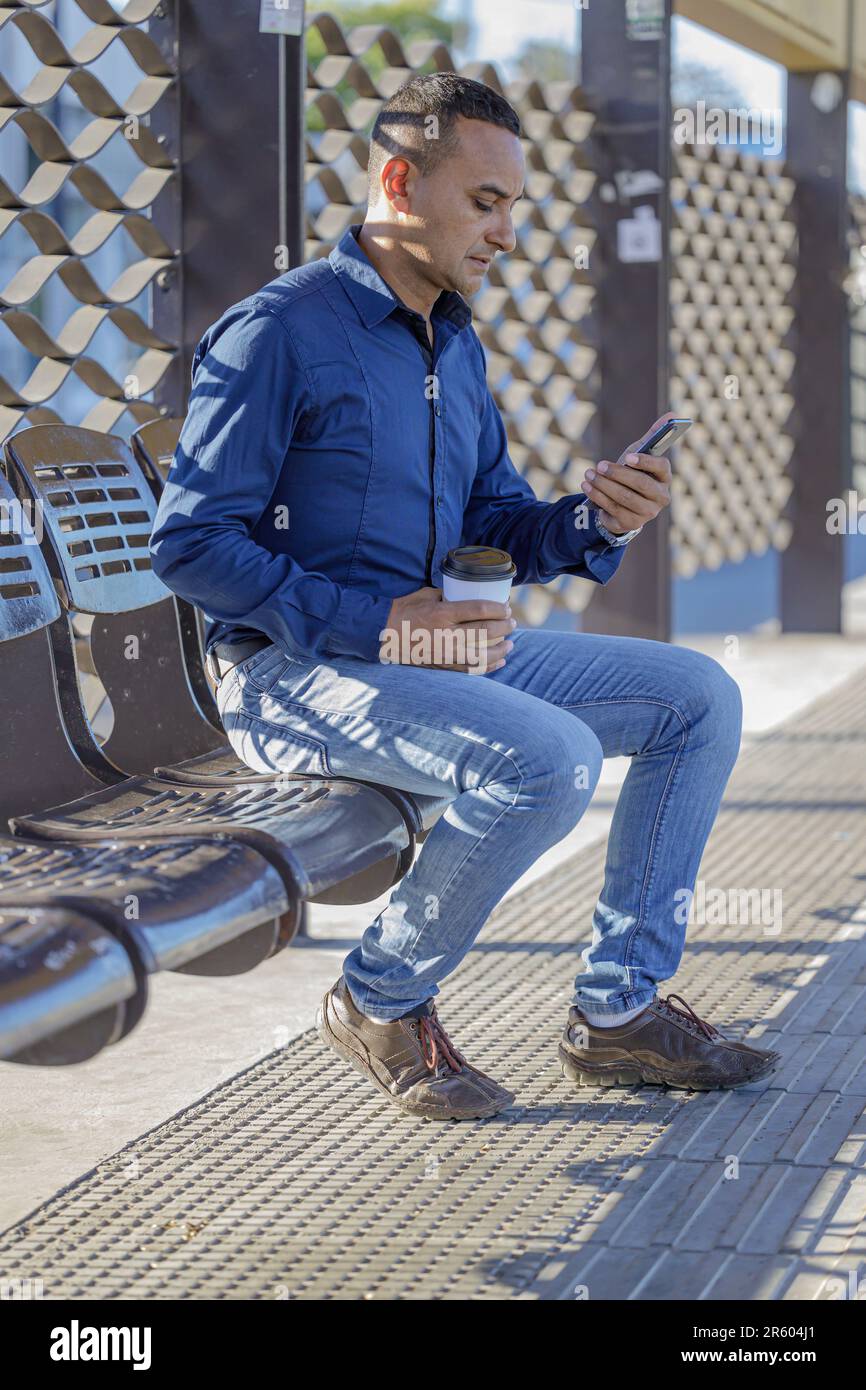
(477, 571)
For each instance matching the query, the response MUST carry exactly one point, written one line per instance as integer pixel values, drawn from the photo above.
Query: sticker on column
(637, 183)
(282, 17)
(639, 238)
(644, 19)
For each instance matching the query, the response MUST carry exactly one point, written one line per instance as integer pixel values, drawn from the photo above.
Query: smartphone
(667, 434)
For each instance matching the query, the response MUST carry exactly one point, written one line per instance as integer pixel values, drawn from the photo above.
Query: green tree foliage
(411, 20)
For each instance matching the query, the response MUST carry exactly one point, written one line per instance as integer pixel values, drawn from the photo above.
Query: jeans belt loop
(217, 662)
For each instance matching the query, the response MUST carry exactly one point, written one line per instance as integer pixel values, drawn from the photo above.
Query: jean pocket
(264, 669)
(266, 746)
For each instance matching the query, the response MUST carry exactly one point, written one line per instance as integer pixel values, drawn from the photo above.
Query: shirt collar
(371, 296)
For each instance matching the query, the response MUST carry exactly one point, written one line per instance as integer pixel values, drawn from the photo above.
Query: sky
(502, 26)
(761, 82)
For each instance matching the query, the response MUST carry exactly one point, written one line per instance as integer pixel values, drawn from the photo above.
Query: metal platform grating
(296, 1180)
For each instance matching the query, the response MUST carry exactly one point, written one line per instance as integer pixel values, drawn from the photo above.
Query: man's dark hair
(419, 121)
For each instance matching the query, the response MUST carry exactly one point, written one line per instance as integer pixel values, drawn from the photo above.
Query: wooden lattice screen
(733, 249)
(65, 208)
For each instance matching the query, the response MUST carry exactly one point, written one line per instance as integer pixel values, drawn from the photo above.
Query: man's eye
(484, 207)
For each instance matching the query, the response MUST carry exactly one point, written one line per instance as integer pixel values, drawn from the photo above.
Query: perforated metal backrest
(155, 445)
(39, 764)
(98, 513)
(27, 598)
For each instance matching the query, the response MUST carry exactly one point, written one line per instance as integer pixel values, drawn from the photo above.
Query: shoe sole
(330, 1040)
(616, 1075)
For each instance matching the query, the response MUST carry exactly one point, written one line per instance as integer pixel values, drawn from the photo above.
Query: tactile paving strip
(296, 1180)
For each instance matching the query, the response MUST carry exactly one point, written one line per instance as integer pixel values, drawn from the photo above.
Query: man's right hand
(470, 635)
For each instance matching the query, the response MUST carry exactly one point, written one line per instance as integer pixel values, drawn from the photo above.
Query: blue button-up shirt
(326, 465)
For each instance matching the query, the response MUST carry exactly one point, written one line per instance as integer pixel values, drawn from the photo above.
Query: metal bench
(217, 859)
(199, 904)
(68, 987)
(58, 467)
(98, 514)
(367, 844)
(154, 446)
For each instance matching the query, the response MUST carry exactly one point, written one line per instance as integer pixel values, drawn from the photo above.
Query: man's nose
(502, 234)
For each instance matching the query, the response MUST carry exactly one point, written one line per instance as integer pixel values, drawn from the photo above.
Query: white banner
(282, 17)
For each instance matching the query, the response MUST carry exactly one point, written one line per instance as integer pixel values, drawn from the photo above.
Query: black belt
(222, 656)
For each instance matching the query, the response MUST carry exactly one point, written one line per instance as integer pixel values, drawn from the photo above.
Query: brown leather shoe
(664, 1046)
(412, 1060)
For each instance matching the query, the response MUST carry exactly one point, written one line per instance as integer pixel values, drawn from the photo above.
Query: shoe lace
(688, 1015)
(435, 1043)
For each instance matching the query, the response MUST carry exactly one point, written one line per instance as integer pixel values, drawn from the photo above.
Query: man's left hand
(630, 493)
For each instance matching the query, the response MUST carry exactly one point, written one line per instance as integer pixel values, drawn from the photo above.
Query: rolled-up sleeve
(250, 394)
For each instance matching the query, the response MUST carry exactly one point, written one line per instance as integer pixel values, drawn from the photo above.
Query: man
(340, 440)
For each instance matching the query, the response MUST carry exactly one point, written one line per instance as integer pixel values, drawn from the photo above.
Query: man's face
(462, 210)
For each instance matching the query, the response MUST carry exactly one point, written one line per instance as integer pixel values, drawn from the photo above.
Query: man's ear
(396, 176)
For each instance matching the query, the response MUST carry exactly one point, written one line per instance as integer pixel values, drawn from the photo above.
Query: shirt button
(440, 501)
(437, 409)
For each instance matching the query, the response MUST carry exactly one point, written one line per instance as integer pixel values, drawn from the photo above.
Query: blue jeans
(520, 749)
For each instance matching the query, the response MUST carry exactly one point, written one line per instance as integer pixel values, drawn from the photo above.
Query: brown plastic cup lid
(479, 562)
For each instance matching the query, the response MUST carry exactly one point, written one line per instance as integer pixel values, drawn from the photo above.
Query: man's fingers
(494, 629)
(635, 479)
(645, 463)
(493, 655)
(490, 652)
(470, 610)
(623, 499)
(481, 668)
(625, 518)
